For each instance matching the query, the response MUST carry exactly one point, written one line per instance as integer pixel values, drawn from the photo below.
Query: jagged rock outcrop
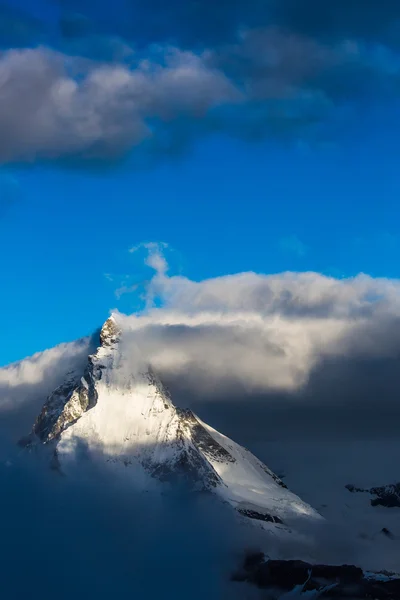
(330, 581)
(385, 495)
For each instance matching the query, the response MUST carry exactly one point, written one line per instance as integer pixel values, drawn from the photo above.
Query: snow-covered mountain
(116, 413)
(119, 412)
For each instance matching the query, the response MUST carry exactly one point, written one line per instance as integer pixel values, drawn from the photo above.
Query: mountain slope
(122, 415)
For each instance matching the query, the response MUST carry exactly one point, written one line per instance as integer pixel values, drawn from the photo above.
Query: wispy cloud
(126, 289)
(150, 254)
(155, 255)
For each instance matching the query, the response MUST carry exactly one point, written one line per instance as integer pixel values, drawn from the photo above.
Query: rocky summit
(316, 580)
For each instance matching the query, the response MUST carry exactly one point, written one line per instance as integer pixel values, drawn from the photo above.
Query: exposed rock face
(332, 581)
(386, 495)
(188, 461)
(76, 395)
(253, 514)
(126, 417)
(65, 406)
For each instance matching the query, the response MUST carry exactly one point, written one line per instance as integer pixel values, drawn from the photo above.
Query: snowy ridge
(251, 487)
(119, 412)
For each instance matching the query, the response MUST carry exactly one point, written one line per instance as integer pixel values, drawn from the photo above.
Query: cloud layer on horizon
(155, 76)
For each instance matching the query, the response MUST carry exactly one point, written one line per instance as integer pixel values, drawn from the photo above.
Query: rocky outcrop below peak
(324, 581)
(190, 461)
(201, 438)
(385, 495)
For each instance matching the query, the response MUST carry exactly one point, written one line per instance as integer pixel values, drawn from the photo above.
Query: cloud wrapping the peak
(289, 333)
(251, 333)
(304, 340)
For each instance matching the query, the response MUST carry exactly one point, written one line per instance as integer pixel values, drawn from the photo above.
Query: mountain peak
(110, 332)
(125, 418)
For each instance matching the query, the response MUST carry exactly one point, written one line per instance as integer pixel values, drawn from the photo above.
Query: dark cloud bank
(93, 537)
(154, 76)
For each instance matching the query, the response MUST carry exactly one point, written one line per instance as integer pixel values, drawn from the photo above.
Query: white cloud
(264, 332)
(155, 257)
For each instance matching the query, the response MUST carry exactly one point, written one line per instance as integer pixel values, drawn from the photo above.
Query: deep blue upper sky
(223, 205)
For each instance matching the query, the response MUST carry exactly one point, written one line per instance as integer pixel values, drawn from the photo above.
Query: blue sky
(223, 204)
